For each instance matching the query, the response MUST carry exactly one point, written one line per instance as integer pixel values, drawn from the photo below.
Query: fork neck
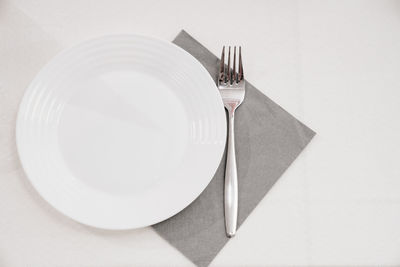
(231, 114)
(231, 107)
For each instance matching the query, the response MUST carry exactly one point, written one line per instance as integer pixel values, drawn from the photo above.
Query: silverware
(231, 86)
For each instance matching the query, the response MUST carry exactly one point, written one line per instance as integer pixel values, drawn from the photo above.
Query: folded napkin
(268, 140)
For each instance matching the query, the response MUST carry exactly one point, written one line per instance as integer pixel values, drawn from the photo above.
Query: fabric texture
(268, 140)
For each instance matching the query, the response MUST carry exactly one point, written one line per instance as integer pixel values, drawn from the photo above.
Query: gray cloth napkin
(268, 140)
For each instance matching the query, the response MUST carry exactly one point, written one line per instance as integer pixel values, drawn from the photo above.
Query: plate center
(129, 127)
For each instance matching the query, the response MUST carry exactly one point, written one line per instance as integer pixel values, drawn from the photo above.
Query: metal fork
(231, 85)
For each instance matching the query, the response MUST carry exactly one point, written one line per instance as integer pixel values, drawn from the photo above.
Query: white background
(335, 65)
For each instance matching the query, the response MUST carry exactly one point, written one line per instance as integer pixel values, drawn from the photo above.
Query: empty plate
(121, 132)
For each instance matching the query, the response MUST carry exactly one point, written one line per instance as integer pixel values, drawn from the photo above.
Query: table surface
(335, 65)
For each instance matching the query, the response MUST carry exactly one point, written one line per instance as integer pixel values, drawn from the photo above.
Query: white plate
(121, 132)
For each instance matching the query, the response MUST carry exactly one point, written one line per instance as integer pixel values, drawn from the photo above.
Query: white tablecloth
(335, 65)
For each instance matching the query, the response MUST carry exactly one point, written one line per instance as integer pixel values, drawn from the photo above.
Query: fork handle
(231, 182)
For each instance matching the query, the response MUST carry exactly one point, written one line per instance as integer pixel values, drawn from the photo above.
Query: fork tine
(234, 65)
(222, 66)
(229, 66)
(241, 75)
